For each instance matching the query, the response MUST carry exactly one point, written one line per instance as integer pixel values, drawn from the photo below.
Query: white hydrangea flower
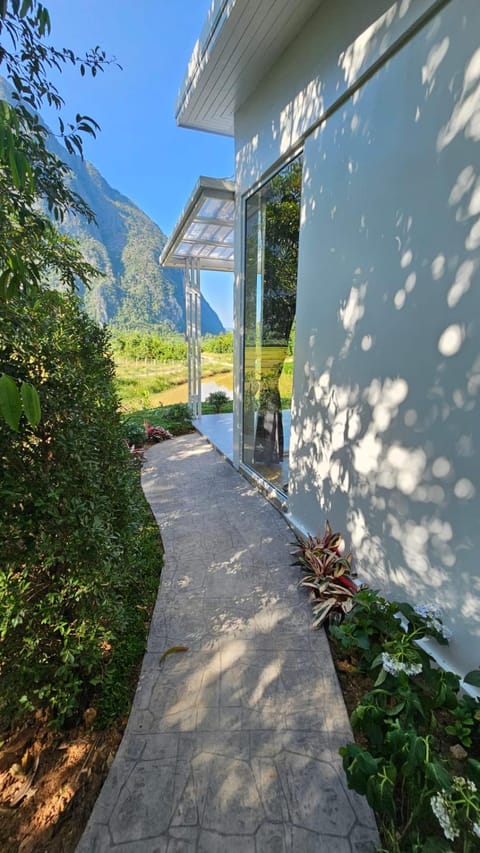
(439, 804)
(394, 666)
(433, 618)
(476, 829)
(461, 783)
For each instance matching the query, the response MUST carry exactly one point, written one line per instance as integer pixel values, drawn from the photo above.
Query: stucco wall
(340, 43)
(386, 417)
(385, 429)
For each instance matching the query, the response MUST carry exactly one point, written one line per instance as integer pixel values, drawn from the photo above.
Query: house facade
(356, 260)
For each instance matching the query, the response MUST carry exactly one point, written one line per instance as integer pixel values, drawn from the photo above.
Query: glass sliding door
(272, 231)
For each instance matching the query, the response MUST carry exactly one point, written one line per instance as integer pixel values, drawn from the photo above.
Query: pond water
(217, 382)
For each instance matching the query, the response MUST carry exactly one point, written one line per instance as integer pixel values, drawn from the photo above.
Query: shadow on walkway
(231, 746)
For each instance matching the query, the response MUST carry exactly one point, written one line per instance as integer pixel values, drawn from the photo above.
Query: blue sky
(140, 150)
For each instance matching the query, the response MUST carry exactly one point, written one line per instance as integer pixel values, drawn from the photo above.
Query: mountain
(125, 244)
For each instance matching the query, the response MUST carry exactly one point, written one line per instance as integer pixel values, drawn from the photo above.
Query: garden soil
(49, 782)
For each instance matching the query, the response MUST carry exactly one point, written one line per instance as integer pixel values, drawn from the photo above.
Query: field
(145, 383)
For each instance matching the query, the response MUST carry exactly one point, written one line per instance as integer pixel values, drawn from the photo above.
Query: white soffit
(239, 43)
(204, 232)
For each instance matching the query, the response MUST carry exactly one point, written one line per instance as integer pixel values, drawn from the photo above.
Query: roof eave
(220, 188)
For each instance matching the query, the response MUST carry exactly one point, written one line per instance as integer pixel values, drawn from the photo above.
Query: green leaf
(437, 773)
(473, 678)
(393, 712)
(359, 766)
(474, 770)
(380, 789)
(381, 678)
(31, 403)
(10, 401)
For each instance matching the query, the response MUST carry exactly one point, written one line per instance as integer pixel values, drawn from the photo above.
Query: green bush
(176, 418)
(217, 400)
(72, 567)
(218, 343)
(133, 433)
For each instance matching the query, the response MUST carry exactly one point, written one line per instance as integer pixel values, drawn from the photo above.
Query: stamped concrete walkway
(231, 746)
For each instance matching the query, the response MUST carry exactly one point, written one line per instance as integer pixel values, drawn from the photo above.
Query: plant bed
(148, 426)
(411, 793)
(66, 771)
(51, 770)
(416, 755)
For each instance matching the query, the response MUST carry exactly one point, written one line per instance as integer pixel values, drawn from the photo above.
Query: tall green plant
(69, 513)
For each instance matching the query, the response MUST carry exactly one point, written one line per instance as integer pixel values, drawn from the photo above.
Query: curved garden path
(231, 746)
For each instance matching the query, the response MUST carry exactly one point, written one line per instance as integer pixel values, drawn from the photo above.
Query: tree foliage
(218, 343)
(31, 247)
(148, 345)
(29, 172)
(69, 513)
(73, 574)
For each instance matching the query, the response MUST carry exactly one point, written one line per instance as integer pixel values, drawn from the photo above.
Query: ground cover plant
(174, 420)
(416, 757)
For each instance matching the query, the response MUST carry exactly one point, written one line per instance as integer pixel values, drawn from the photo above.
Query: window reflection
(272, 232)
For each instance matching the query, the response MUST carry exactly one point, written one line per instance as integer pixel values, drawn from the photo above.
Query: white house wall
(340, 43)
(385, 421)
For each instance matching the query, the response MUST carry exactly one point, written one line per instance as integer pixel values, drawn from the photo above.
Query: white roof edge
(239, 43)
(217, 15)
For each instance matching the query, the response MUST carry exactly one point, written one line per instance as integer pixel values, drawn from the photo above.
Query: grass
(140, 383)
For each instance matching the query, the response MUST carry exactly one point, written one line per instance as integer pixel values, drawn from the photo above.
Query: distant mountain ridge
(125, 244)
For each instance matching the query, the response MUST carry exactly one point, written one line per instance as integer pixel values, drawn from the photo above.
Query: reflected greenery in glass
(272, 233)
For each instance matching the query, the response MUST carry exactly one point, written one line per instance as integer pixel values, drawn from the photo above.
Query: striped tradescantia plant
(327, 574)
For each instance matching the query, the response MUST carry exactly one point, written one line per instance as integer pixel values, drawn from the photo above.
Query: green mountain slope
(125, 244)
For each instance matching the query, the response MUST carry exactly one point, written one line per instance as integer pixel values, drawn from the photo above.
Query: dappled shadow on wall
(333, 55)
(385, 413)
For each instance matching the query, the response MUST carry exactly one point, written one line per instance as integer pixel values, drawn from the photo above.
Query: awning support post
(194, 335)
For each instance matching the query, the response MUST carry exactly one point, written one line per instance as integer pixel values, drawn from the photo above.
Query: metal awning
(204, 232)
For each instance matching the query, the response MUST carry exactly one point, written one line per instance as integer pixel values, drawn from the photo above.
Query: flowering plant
(458, 808)
(400, 763)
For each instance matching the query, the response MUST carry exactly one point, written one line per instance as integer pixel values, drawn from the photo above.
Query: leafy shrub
(133, 433)
(218, 343)
(70, 511)
(423, 797)
(217, 399)
(156, 433)
(177, 418)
